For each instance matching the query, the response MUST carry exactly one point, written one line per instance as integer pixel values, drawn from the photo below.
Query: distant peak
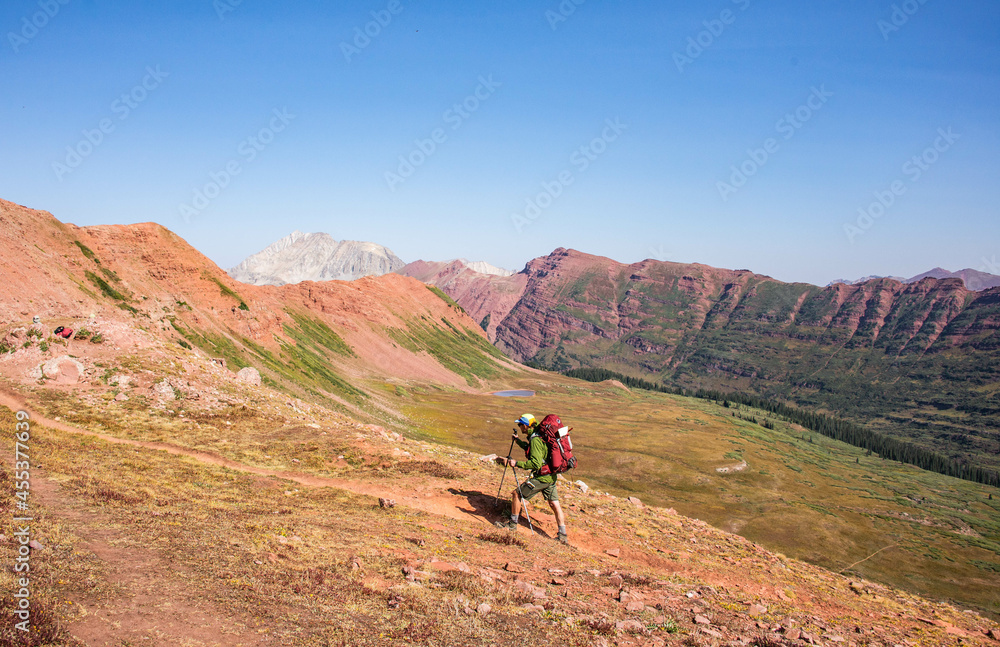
(315, 257)
(482, 267)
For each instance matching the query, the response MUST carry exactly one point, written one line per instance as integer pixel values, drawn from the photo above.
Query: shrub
(503, 538)
(45, 628)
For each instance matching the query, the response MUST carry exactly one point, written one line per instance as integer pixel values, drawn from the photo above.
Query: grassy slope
(802, 494)
(322, 566)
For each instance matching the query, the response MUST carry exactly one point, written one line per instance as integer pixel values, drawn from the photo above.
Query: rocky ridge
(487, 298)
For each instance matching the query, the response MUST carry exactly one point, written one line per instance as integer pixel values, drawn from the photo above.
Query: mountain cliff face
(920, 359)
(315, 257)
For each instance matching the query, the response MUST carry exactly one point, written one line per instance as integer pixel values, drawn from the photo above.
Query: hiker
(537, 452)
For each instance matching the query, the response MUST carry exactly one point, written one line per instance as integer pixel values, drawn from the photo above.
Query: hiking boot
(507, 524)
(562, 538)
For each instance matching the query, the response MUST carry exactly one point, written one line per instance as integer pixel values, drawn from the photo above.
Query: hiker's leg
(557, 509)
(560, 517)
(515, 504)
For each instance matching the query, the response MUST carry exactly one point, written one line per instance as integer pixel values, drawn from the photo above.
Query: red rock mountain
(919, 359)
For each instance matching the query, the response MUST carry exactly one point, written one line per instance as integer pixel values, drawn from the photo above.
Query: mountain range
(974, 279)
(319, 257)
(876, 351)
(919, 360)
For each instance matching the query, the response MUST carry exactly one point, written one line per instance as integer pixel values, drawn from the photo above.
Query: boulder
(635, 605)
(64, 370)
(249, 375)
(583, 486)
(122, 381)
(630, 626)
(634, 501)
(530, 589)
(164, 389)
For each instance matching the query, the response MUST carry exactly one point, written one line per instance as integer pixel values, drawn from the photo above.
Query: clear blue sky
(871, 90)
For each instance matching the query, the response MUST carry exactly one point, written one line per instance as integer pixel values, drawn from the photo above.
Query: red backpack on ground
(556, 436)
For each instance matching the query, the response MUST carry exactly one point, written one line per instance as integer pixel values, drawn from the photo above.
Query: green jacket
(538, 453)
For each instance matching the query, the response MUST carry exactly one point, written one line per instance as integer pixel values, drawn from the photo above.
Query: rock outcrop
(249, 375)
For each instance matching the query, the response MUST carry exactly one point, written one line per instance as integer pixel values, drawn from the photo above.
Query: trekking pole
(500, 489)
(524, 502)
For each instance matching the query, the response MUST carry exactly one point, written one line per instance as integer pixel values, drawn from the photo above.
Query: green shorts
(531, 487)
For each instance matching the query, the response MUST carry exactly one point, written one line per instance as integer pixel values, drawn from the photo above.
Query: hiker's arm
(522, 444)
(536, 458)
